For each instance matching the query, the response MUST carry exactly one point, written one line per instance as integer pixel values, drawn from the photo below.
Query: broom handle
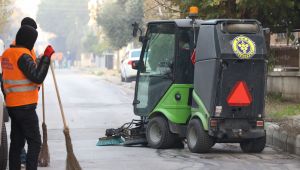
(43, 102)
(58, 96)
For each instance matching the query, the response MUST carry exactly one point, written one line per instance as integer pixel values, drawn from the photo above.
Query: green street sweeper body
(203, 81)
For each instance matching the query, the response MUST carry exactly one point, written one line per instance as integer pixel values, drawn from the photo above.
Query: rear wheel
(253, 145)
(3, 148)
(158, 134)
(197, 138)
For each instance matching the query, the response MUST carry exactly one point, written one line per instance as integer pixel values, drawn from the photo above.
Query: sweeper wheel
(158, 134)
(198, 140)
(254, 145)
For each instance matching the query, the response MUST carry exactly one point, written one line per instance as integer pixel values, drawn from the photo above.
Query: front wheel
(158, 134)
(254, 145)
(198, 139)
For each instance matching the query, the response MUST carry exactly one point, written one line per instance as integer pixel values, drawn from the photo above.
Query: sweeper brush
(110, 140)
(132, 133)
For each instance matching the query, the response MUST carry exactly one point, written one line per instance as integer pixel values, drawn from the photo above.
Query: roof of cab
(179, 22)
(216, 21)
(187, 22)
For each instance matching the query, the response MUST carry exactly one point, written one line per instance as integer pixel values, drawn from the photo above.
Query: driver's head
(184, 40)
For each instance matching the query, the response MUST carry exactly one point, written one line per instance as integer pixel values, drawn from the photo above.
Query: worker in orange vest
(21, 78)
(27, 21)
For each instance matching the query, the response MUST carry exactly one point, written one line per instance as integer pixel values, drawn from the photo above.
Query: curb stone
(297, 145)
(276, 138)
(270, 128)
(291, 144)
(283, 136)
(282, 139)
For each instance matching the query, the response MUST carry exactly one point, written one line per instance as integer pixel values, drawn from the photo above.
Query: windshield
(157, 75)
(159, 53)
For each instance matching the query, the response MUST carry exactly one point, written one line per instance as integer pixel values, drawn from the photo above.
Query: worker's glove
(49, 51)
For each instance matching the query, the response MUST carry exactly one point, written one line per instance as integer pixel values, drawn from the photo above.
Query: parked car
(127, 73)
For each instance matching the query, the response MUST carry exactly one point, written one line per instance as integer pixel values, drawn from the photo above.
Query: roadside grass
(277, 108)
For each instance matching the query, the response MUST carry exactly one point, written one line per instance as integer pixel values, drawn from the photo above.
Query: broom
(44, 156)
(71, 161)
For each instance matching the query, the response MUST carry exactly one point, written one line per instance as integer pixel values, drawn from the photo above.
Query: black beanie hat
(29, 21)
(26, 37)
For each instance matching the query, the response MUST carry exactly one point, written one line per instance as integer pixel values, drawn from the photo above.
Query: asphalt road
(93, 104)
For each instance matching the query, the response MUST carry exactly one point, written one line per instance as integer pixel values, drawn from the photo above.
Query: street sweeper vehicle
(199, 81)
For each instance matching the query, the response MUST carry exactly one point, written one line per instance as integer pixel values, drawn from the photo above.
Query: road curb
(282, 139)
(297, 145)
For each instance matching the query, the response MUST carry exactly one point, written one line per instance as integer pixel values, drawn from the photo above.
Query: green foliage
(289, 110)
(275, 14)
(116, 18)
(278, 108)
(67, 19)
(92, 44)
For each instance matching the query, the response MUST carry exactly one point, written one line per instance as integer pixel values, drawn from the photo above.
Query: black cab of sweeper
(229, 80)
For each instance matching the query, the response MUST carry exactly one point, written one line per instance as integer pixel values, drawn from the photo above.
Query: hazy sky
(29, 7)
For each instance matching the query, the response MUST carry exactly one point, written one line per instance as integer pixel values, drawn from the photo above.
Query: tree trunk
(287, 37)
(118, 60)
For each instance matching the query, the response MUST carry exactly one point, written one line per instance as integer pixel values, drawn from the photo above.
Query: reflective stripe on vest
(17, 82)
(20, 89)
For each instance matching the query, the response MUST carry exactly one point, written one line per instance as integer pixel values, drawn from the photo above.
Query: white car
(127, 73)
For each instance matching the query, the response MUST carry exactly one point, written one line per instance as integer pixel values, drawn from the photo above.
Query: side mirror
(136, 28)
(135, 65)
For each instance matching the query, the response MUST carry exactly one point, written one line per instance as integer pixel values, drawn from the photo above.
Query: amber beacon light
(194, 11)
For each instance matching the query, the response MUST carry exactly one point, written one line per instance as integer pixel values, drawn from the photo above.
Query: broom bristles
(71, 161)
(44, 156)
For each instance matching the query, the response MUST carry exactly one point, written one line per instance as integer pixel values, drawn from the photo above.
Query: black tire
(158, 134)
(3, 149)
(122, 78)
(254, 145)
(126, 79)
(198, 140)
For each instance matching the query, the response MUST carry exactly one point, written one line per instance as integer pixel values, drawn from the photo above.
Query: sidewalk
(284, 134)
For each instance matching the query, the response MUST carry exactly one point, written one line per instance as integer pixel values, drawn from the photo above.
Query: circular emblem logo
(243, 47)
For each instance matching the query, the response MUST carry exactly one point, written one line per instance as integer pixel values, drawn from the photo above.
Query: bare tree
(160, 9)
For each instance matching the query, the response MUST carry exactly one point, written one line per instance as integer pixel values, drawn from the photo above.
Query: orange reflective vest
(32, 51)
(19, 91)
